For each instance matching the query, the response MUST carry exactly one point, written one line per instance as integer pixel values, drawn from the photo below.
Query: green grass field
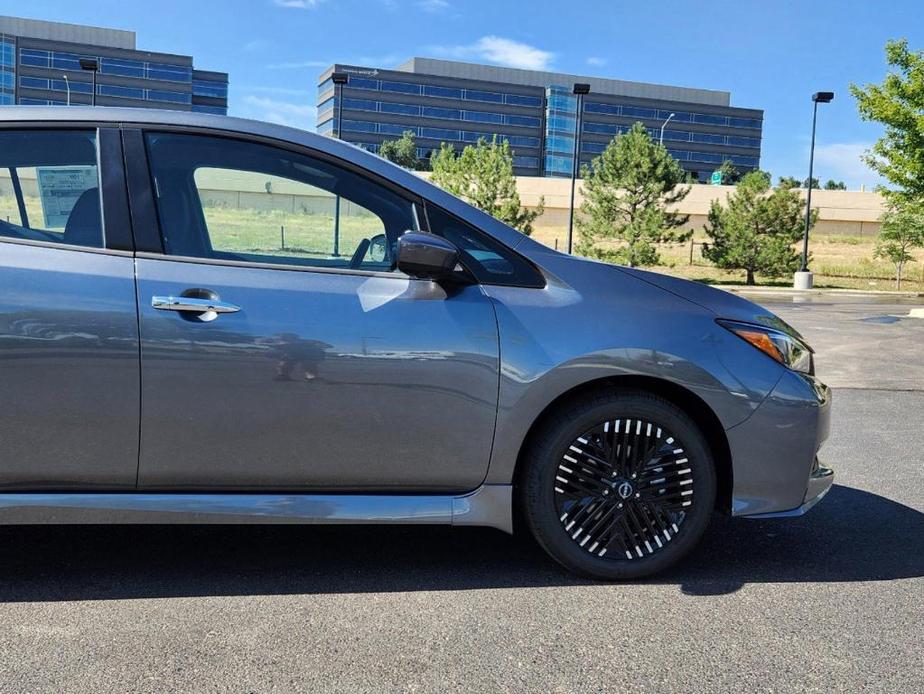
(254, 231)
(258, 231)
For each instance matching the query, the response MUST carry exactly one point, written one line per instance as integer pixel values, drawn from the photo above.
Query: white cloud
(500, 51)
(383, 61)
(596, 62)
(298, 65)
(282, 112)
(255, 45)
(843, 161)
(298, 4)
(434, 6)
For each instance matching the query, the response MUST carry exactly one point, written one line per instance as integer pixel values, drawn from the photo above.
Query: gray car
(212, 320)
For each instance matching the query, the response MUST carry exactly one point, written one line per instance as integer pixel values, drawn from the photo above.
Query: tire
(581, 502)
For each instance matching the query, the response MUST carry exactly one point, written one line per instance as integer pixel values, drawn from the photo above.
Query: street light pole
(663, 125)
(579, 90)
(339, 79)
(91, 65)
(804, 278)
(67, 86)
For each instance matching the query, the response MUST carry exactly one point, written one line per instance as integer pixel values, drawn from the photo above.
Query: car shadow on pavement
(852, 535)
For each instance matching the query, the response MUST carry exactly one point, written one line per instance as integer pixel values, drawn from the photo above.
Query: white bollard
(803, 280)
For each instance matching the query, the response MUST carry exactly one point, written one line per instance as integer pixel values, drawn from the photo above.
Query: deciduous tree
(628, 191)
(482, 175)
(902, 230)
(898, 103)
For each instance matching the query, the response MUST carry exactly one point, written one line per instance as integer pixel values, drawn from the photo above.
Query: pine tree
(628, 191)
(756, 229)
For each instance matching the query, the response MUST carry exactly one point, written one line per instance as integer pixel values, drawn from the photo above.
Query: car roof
(99, 115)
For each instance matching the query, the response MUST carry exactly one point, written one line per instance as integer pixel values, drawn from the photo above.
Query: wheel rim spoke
(623, 489)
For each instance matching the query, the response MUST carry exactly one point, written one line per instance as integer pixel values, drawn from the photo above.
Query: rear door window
(49, 187)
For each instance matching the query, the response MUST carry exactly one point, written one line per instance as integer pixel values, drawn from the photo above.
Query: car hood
(578, 271)
(722, 303)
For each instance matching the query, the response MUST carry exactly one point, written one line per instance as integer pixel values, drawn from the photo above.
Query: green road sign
(716, 179)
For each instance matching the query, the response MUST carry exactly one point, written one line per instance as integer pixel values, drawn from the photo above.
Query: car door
(318, 365)
(69, 360)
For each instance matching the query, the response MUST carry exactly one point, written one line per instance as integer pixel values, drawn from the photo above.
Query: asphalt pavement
(833, 601)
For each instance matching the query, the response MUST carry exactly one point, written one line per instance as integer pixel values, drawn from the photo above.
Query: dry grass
(843, 262)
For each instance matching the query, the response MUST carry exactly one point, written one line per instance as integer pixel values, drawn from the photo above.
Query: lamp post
(663, 125)
(339, 79)
(91, 65)
(579, 90)
(804, 278)
(67, 86)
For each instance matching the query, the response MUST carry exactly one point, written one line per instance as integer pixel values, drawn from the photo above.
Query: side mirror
(426, 256)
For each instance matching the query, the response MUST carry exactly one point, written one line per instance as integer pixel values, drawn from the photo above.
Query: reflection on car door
(307, 373)
(69, 369)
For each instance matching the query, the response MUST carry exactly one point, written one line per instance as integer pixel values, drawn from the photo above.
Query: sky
(769, 55)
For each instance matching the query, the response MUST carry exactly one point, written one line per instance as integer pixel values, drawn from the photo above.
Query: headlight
(787, 349)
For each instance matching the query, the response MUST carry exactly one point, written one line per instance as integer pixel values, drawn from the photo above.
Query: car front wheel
(619, 485)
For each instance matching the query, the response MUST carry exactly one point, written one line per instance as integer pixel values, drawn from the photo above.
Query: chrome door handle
(192, 304)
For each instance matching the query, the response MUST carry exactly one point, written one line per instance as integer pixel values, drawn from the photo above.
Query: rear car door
(320, 366)
(69, 360)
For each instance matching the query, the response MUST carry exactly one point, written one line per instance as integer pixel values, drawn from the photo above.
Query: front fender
(561, 337)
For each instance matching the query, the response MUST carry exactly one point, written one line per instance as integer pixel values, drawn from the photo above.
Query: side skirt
(489, 506)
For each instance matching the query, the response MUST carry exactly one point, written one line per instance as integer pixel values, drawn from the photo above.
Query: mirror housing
(426, 256)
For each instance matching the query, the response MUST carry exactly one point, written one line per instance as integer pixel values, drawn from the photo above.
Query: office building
(448, 101)
(40, 65)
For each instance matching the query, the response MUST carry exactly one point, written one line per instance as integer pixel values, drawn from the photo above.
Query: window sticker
(59, 187)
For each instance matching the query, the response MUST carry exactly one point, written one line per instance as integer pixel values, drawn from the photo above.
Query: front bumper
(776, 472)
(819, 484)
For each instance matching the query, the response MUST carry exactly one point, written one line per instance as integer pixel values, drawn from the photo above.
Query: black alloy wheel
(620, 486)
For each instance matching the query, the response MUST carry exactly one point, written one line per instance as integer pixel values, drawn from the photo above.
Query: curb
(745, 289)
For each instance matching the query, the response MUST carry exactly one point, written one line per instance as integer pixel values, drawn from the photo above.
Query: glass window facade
(445, 92)
(560, 123)
(79, 87)
(437, 91)
(214, 110)
(540, 128)
(167, 83)
(397, 108)
(208, 88)
(673, 135)
(63, 60)
(7, 69)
